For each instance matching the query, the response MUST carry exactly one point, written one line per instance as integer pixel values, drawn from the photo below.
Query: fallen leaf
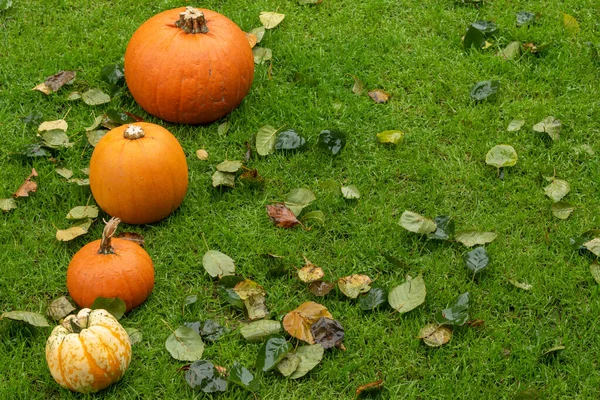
(525, 18)
(368, 387)
(303, 2)
(80, 181)
(416, 223)
(515, 125)
(392, 136)
(31, 318)
(258, 330)
(562, 209)
(59, 124)
(332, 140)
(56, 139)
(64, 172)
(435, 335)
(457, 314)
(373, 298)
(270, 19)
(310, 357)
(205, 376)
(571, 24)
(477, 260)
(60, 308)
(218, 264)
(484, 89)
(502, 155)
(358, 86)
(81, 212)
(223, 179)
(95, 97)
(471, 238)
(202, 154)
(185, 345)
(327, 332)
(354, 285)
(316, 216)
(298, 199)
(595, 271)
(310, 272)
(243, 377)
(593, 246)
(265, 140)
(55, 82)
(379, 96)
(114, 305)
(94, 136)
(272, 352)
(248, 288)
(298, 322)
(252, 177)
(520, 285)
(511, 51)
(259, 33)
(350, 192)
(28, 186)
(409, 295)
(7, 204)
(229, 166)
(252, 39)
(321, 288)
(135, 335)
(262, 54)
(256, 307)
(281, 216)
(549, 125)
(557, 189)
(78, 229)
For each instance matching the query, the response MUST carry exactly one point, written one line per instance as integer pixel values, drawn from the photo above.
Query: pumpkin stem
(192, 21)
(107, 234)
(134, 132)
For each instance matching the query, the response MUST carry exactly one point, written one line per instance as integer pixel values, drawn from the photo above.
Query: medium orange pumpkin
(138, 173)
(188, 65)
(110, 267)
(88, 352)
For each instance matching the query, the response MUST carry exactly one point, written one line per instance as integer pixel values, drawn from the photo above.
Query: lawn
(413, 51)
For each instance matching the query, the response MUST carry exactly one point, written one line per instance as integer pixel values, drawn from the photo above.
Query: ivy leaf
(484, 89)
(549, 125)
(115, 306)
(218, 264)
(185, 344)
(416, 223)
(265, 140)
(289, 140)
(457, 314)
(472, 237)
(562, 209)
(444, 228)
(557, 189)
(372, 299)
(477, 259)
(298, 199)
(94, 97)
(257, 330)
(242, 377)
(409, 295)
(272, 351)
(333, 141)
(502, 155)
(32, 318)
(204, 376)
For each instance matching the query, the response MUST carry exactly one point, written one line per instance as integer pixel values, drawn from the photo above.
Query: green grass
(411, 49)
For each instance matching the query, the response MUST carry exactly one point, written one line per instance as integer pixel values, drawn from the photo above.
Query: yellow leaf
(270, 19)
(354, 285)
(310, 272)
(51, 125)
(202, 154)
(571, 24)
(298, 322)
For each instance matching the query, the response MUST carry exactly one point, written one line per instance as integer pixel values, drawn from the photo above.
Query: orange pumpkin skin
(139, 180)
(188, 78)
(125, 271)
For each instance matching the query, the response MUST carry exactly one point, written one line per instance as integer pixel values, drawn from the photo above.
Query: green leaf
(81, 212)
(485, 27)
(257, 330)
(229, 281)
(261, 54)
(135, 335)
(477, 259)
(484, 89)
(350, 192)
(520, 285)
(8, 204)
(55, 139)
(231, 297)
(557, 189)
(409, 295)
(595, 271)
(33, 119)
(229, 166)
(444, 228)
(223, 179)
(35, 150)
(289, 140)
(471, 237)
(549, 125)
(373, 299)
(562, 209)
(578, 242)
(265, 140)
(310, 357)
(525, 18)
(120, 118)
(218, 264)
(97, 122)
(64, 172)
(204, 376)
(298, 199)
(5, 4)
(191, 299)
(32, 318)
(571, 24)
(223, 128)
(510, 52)
(333, 141)
(77, 229)
(457, 314)
(473, 38)
(500, 156)
(593, 246)
(358, 86)
(94, 97)
(259, 33)
(288, 364)
(115, 306)
(393, 137)
(113, 74)
(515, 125)
(242, 377)
(416, 223)
(184, 344)
(435, 335)
(272, 351)
(316, 216)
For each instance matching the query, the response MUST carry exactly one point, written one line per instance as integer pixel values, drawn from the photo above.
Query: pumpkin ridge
(61, 367)
(99, 376)
(125, 345)
(113, 364)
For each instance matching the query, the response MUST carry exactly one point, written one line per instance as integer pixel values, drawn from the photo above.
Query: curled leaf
(354, 285)
(281, 215)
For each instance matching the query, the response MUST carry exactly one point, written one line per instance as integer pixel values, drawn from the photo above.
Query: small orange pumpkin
(189, 66)
(88, 352)
(110, 267)
(138, 173)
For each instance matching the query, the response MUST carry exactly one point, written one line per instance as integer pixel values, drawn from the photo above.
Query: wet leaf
(270, 19)
(271, 352)
(55, 82)
(327, 332)
(520, 285)
(595, 271)
(202, 154)
(212, 331)
(525, 18)
(298, 199)
(7, 204)
(379, 96)
(571, 25)
(477, 259)
(59, 124)
(257, 330)
(231, 297)
(593, 246)
(500, 156)
(416, 223)
(373, 299)
(457, 314)
(358, 86)
(223, 179)
(578, 242)
(289, 140)
(81, 212)
(471, 237)
(350, 192)
(333, 141)
(185, 345)
(314, 216)
(354, 285)
(119, 117)
(229, 166)
(28, 186)
(60, 308)
(204, 376)
(261, 54)
(248, 288)
(298, 322)
(281, 216)
(77, 229)
(435, 335)
(510, 52)
(549, 125)
(243, 377)
(252, 178)
(409, 295)
(223, 128)
(444, 228)
(265, 140)
(289, 364)
(32, 318)
(485, 27)
(95, 97)
(484, 89)
(132, 237)
(473, 38)
(115, 306)
(135, 335)
(259, 33)
(218, 264)
(557, 189)
(562, 209)
(515, 125)
(321, 288)
(113, 74)
(310, 272)
(64, 172)
(369, 387)
(393, 137)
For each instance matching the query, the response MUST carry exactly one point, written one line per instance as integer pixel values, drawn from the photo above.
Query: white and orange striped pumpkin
(88, 352)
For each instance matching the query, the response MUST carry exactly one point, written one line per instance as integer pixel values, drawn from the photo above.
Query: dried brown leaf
(321, 288)
(371, 386)
(310, 272)
(252, 39)
(55, 82)
(282, 216)
(202, 154)
(28, 186)
(298, 322)
(379, 96)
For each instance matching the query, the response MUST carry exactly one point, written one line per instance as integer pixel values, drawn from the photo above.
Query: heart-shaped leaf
(473, 38)
(409, 295)
(113, 74)
(571, 24)
(457, 314)
(298, 322)
(298, 199)
(229, 166)
(204, 376)
(218, 264)
(270, 19)
(310, 357)
(243, 377)
(77, 229)
(549, 125)
(562, 209)
(477, 259)
(501, 156)
(593, 246)
(265, 140)
(185, 344)
(595, 271)
(289, 140)
(262, 55)
(416, 223)
(223, 179)
(444, 228)
(354, 285)
(435, 335)
(557, 189)
(81, 212)
(8, 204)
(94, 97)
(272, 351)
(510, 52)
(484, 89)
(373, 298)
(327, 332)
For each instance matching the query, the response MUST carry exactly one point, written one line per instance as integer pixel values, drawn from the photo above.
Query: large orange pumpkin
(110, 267)
(88, 352)
(189, 65)
(138, 173)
